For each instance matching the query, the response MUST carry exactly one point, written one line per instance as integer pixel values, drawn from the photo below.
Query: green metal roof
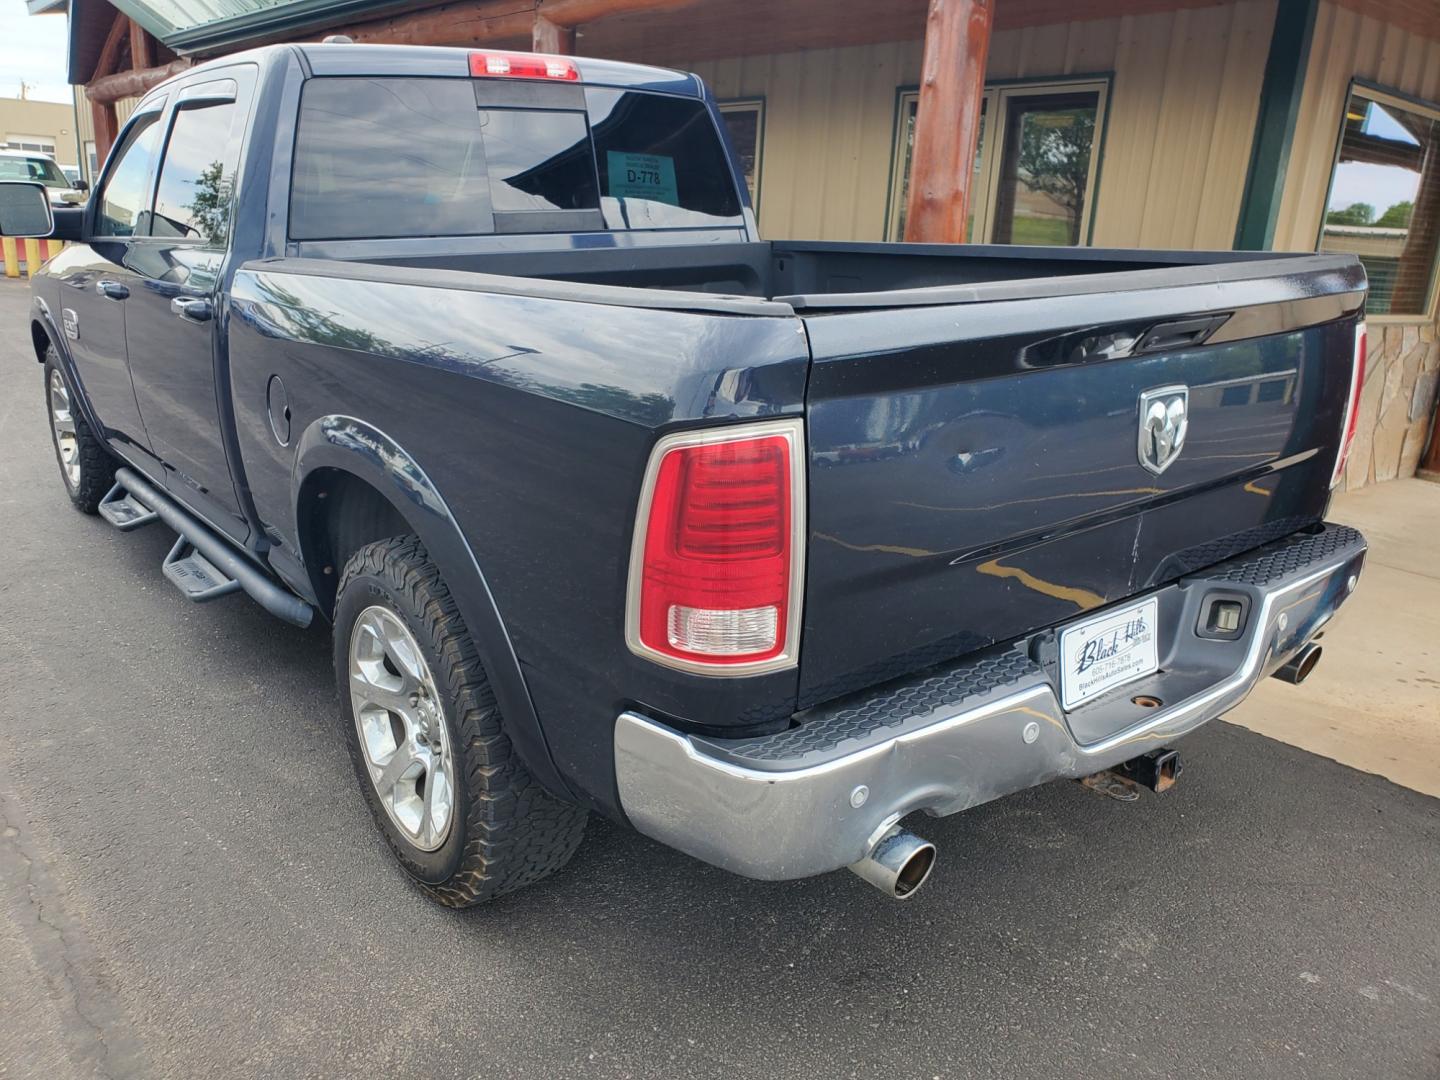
(164, 18)
(204, 25)
(207, 26)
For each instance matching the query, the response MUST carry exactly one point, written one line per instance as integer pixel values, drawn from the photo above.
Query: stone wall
(1396, 403)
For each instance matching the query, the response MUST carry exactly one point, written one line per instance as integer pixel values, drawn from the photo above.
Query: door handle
(1180, 334)
(113, 289)
(194, 308)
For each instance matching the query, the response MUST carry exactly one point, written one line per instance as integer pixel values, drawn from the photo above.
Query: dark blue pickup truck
(758, 547)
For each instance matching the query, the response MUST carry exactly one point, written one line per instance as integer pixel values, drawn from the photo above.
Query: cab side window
(123, 200)
(197, 178)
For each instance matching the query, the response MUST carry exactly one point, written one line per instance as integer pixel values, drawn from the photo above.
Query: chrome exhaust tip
(1299, 666)
(898, 864)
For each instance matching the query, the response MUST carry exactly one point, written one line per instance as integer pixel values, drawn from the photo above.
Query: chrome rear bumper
(815, 798)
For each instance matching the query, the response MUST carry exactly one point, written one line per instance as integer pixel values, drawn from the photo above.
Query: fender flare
(40, 316)
(353, 446)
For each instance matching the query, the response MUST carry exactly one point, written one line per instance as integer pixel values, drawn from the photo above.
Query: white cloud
(32, 50)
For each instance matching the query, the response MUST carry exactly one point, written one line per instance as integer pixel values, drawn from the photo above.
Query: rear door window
(388, 158)
(196, 190)
(661, 162)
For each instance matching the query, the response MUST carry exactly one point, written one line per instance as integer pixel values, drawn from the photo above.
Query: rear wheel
(455, 803)
(86, 467)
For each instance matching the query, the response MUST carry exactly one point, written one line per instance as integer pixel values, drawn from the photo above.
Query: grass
(1031, 230)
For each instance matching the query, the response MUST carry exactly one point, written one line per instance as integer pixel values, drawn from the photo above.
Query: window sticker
(642, 176)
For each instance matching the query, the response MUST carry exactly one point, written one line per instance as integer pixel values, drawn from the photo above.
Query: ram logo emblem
(1164, 419)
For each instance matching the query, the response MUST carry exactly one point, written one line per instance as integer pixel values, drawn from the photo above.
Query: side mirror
(25, 210)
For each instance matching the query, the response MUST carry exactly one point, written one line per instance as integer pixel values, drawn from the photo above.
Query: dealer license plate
(1108, 651)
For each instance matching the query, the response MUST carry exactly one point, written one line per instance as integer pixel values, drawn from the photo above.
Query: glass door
(1040, 186)
(1045, 170)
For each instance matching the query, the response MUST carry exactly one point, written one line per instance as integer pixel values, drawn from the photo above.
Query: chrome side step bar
(201, 565)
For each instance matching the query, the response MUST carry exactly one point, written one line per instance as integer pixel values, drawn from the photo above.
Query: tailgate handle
(1179, 333)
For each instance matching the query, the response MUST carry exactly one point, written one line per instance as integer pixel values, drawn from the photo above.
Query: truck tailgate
(975, 453)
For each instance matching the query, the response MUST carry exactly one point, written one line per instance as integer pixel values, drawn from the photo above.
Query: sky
(32, 49)
(1382, 186)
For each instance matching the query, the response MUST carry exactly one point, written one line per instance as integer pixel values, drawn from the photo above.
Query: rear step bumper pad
(814, 798)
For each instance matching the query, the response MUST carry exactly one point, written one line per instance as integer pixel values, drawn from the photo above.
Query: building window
(92, 164)
(745, 123)
(1039, 188)
(40, 144)
(1384, 202)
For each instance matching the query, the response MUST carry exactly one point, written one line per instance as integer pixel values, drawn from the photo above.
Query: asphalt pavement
(190, 886)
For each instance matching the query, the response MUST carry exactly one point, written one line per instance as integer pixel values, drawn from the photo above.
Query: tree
(1398, 216)
(1360, 213)
(210, 208)
(1055, 159)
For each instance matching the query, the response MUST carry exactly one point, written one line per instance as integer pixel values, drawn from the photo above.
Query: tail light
(1352, 404)
(717, 561)
(507, 65)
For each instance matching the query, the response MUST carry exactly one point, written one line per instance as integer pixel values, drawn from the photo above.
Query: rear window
(393, 157)
(539, 160)
(662, 164)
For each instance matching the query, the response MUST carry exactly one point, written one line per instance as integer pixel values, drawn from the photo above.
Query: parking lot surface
(190, 886)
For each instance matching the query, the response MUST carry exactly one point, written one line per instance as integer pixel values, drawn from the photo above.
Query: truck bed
(970, 412)
(820, 276)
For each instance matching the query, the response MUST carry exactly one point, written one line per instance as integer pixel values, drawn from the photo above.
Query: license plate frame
(1108, 651)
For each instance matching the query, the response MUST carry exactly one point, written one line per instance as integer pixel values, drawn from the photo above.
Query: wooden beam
(947, 124)
(102, 117)
(575, 12)
(548, 24)
(450, 24)
(141, 55)
(123, 84)
(109, 61)
(546, 37)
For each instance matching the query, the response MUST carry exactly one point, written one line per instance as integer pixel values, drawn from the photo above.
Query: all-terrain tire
(506, 830)
(97, 466)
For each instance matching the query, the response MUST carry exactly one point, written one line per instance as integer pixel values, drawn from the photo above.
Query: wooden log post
(547, 37)
(105, 123)
(947, 124)
(141, 55)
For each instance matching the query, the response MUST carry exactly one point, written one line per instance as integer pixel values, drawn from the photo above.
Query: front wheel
(455, 803)
(86, 467)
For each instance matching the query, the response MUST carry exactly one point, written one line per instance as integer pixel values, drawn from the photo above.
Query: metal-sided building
(44, 127)
(1286, 124)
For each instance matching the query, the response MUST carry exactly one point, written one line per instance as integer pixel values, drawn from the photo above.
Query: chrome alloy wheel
(62, 422)
(401, 724)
